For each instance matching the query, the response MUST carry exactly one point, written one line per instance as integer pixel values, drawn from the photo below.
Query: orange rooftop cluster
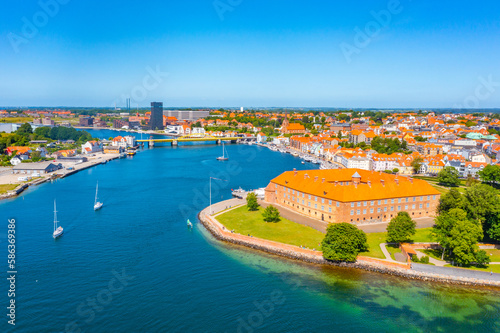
(352, 195)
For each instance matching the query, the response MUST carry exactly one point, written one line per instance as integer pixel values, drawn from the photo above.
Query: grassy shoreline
(245, 222)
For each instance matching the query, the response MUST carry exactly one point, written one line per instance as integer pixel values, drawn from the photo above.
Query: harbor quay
(32, 174)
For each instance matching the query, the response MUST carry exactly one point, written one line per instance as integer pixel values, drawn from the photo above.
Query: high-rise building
(156, 119)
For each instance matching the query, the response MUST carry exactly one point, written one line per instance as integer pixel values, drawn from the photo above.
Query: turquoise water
(183, 281)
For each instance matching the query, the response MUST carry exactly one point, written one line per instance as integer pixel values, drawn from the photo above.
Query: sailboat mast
(96, 187)
(55, 216)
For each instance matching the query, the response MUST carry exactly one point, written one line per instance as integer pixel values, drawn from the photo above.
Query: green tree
(470, 181)
(43, 132)
(252, 203)
(482, 258)
(490, 174)
(452, 199)
(448, 176)
(417, 163)
(464, 237)
(25, 129)
(271, 214)
(444, 224)
(36, 156)
(482, 203)
(401, 228)
(343, 242)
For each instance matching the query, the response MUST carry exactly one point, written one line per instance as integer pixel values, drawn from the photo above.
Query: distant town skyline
(371, 54)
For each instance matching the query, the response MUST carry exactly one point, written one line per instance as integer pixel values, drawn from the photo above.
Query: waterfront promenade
(208, 217)
(7, 177)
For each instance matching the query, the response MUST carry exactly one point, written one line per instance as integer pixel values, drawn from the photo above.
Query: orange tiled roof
(295, 127)
(304, 181)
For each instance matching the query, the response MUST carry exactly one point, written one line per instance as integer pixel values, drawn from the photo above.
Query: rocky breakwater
(316, 257)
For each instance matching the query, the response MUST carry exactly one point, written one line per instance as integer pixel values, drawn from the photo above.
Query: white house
(363, 163)
(261, 137)
(91, 147)
(280, 140)
(479, 158)
(18, 159)
(123, 141)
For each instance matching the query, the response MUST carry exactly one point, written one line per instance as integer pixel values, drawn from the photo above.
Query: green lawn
(422, 235)
(436, 254)
(7, 187)
(494, 255)
(393, 249)
(374, 240)
(442, 189)
(244, 222)
(490, 268)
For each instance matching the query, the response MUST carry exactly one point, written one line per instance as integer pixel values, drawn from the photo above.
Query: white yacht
(58, 231)
(97, 204)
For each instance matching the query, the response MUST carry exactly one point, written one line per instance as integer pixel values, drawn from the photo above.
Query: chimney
(396, 180)
(383, 182)
(323, 180)
(411, 180)
(370, 183)
(336, 183)
(306, 176)
(316, 178)
(294, 172)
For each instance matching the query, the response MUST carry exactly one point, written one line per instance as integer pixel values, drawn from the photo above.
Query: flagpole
(211, 191)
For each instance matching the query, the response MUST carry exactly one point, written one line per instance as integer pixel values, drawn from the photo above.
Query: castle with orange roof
(352, 195)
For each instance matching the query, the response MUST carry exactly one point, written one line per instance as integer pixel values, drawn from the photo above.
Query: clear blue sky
(260, 53)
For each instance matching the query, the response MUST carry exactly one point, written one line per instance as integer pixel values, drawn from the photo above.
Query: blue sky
(251, 53)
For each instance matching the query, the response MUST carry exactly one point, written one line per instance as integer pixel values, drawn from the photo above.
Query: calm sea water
(175, 280)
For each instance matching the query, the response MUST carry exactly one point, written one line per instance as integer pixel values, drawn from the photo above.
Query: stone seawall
(316, 257)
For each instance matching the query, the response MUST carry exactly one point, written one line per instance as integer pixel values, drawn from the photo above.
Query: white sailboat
(97, 204)
(58, 231)
(224, 156)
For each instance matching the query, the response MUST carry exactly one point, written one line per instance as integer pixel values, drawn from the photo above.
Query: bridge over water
(191, 138)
